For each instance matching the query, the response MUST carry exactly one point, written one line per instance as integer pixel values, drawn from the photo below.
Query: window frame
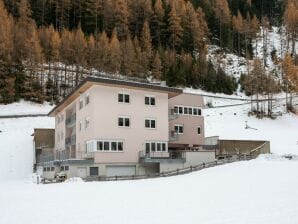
(179, 126)
(124, 94)
(150, 119)
(124, 119)
(199, 128)
(150, 98)
(109, 143)
(159, 146)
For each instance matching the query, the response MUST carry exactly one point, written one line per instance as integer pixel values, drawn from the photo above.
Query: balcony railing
(70, 121)
(173, 136)
(161, 156)
(70, 140)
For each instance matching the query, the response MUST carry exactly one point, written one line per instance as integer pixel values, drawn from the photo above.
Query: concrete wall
(243, 147)
(190, 122)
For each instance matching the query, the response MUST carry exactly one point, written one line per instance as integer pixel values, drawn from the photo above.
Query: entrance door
(82, 172)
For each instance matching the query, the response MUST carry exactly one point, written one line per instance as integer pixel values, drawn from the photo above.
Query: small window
(199, 130)
(123, 122)
(87, 99)
(81, 104)
(190, 110)
(195, 111)
(66, 168)
(153, 146)
(199, 112)
(48, 168)
(62, 168)
(147, 147)
(180, 110)
(93, 171)
(114, 146)
(87, 123)
(44, 169)
(164, 146)
(123, 98)
(120, 146)
(80, 126)
(176, 110)
(158, 147)
(99, 146)
(52, 168)
(185, 111)
(179, 129)
(150, 100)
(106, 146)
(150, 123)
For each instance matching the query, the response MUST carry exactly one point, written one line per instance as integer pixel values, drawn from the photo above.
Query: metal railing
(162, 155)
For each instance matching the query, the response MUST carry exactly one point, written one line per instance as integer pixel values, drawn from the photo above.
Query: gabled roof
(92, 80)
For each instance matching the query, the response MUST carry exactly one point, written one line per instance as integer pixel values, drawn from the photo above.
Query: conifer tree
(175, 29)
(146, 44)
(157, 67)
(121, 19)
(114, 53)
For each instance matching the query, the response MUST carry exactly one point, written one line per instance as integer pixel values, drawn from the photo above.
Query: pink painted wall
(189, 122)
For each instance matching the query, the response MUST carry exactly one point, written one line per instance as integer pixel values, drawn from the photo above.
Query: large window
(187, 110)
(150, 123)
(178, 129)
(110, 145)
(123, 98)
(150, 100)
(123, 122)
(156, 147)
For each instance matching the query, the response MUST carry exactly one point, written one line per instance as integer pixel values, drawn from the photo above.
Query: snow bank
(258, 192)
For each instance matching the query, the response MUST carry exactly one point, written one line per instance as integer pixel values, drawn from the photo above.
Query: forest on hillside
(48, 46)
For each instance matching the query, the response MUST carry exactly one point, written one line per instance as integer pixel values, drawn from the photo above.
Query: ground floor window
(93, 171)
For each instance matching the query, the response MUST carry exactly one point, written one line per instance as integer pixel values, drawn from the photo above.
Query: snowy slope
(255, 192)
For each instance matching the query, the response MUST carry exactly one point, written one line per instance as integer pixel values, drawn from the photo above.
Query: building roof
(107, 81)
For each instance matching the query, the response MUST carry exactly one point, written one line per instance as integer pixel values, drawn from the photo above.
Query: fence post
(177, 171)
(203, 165)
(116, 177)
(191, 168)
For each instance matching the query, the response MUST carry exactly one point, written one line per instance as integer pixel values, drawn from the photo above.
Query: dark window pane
(120, 122)
(62, 168)
(126, 98)
(190, 111)
(200, 112)
(114, 146)
(44, 169)
(158, 146)
(147, 147)
(99, 146)
(185, 110)
(93, 171)
(147, 123)
(127, 123)
(147, 100)
(181, 129)
(52, 168)
(180, 110)
(195, 111)
(176, 129)
(106, 146)
(153, 124)
(120, 97)
(120, 146)
(163, 146)
(153, 146)
(66, 168)
(152, 101)
(199, 130)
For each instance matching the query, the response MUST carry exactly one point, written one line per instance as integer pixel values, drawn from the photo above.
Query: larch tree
(102, 50)
(175, 30)
(129, 59)
(157, 67)
(156, 23)
(114, 53)
(146, 45)
(121, 19)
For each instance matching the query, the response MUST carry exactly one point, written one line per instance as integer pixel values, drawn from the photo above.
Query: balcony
(172, 114)
(173, 136)
(70, 121)
(70, 140)
(160, 157)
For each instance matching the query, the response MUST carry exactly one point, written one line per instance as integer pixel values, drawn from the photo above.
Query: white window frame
(187, 109)
(110, 145)
(123, 117)
(150, 97)
(124, 94)
(155, 143)
(179, 125)
(150, 119)
(87, 122)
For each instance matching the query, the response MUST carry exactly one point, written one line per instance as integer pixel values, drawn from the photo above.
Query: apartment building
(109, 127)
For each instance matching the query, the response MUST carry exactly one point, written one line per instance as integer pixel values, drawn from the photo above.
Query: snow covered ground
(258, 191)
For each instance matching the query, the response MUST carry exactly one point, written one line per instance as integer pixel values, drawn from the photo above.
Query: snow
(259, 191)
(24, 108)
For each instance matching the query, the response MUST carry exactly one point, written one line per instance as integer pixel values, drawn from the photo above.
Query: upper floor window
(81, 104)
(114, 145)
(123, 121)
(87, 99)
(150, 100)
(178, 129)
(150, 123)
(80, 125)
(187, 110)
(123, 98)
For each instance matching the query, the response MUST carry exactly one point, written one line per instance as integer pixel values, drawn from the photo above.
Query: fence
(173, 172)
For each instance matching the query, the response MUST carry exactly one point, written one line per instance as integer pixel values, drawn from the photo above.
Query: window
(187, 110)
(80, 126)
(123, 98)
(150, 123)
(155, 147)
(87, 123)
(62, 168)
(90, 146)
(150, 100)
(190, 110)
(175, 109)
(199, 130)
(199, 112)
(180, 110)
(81, 104)
(44, 169)
(48, 169)
(123, 121)
(87, 99)
(66, 168)
(52, 168)
(195, 111)
(110, 145)
(178, 129)
(93, 171)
